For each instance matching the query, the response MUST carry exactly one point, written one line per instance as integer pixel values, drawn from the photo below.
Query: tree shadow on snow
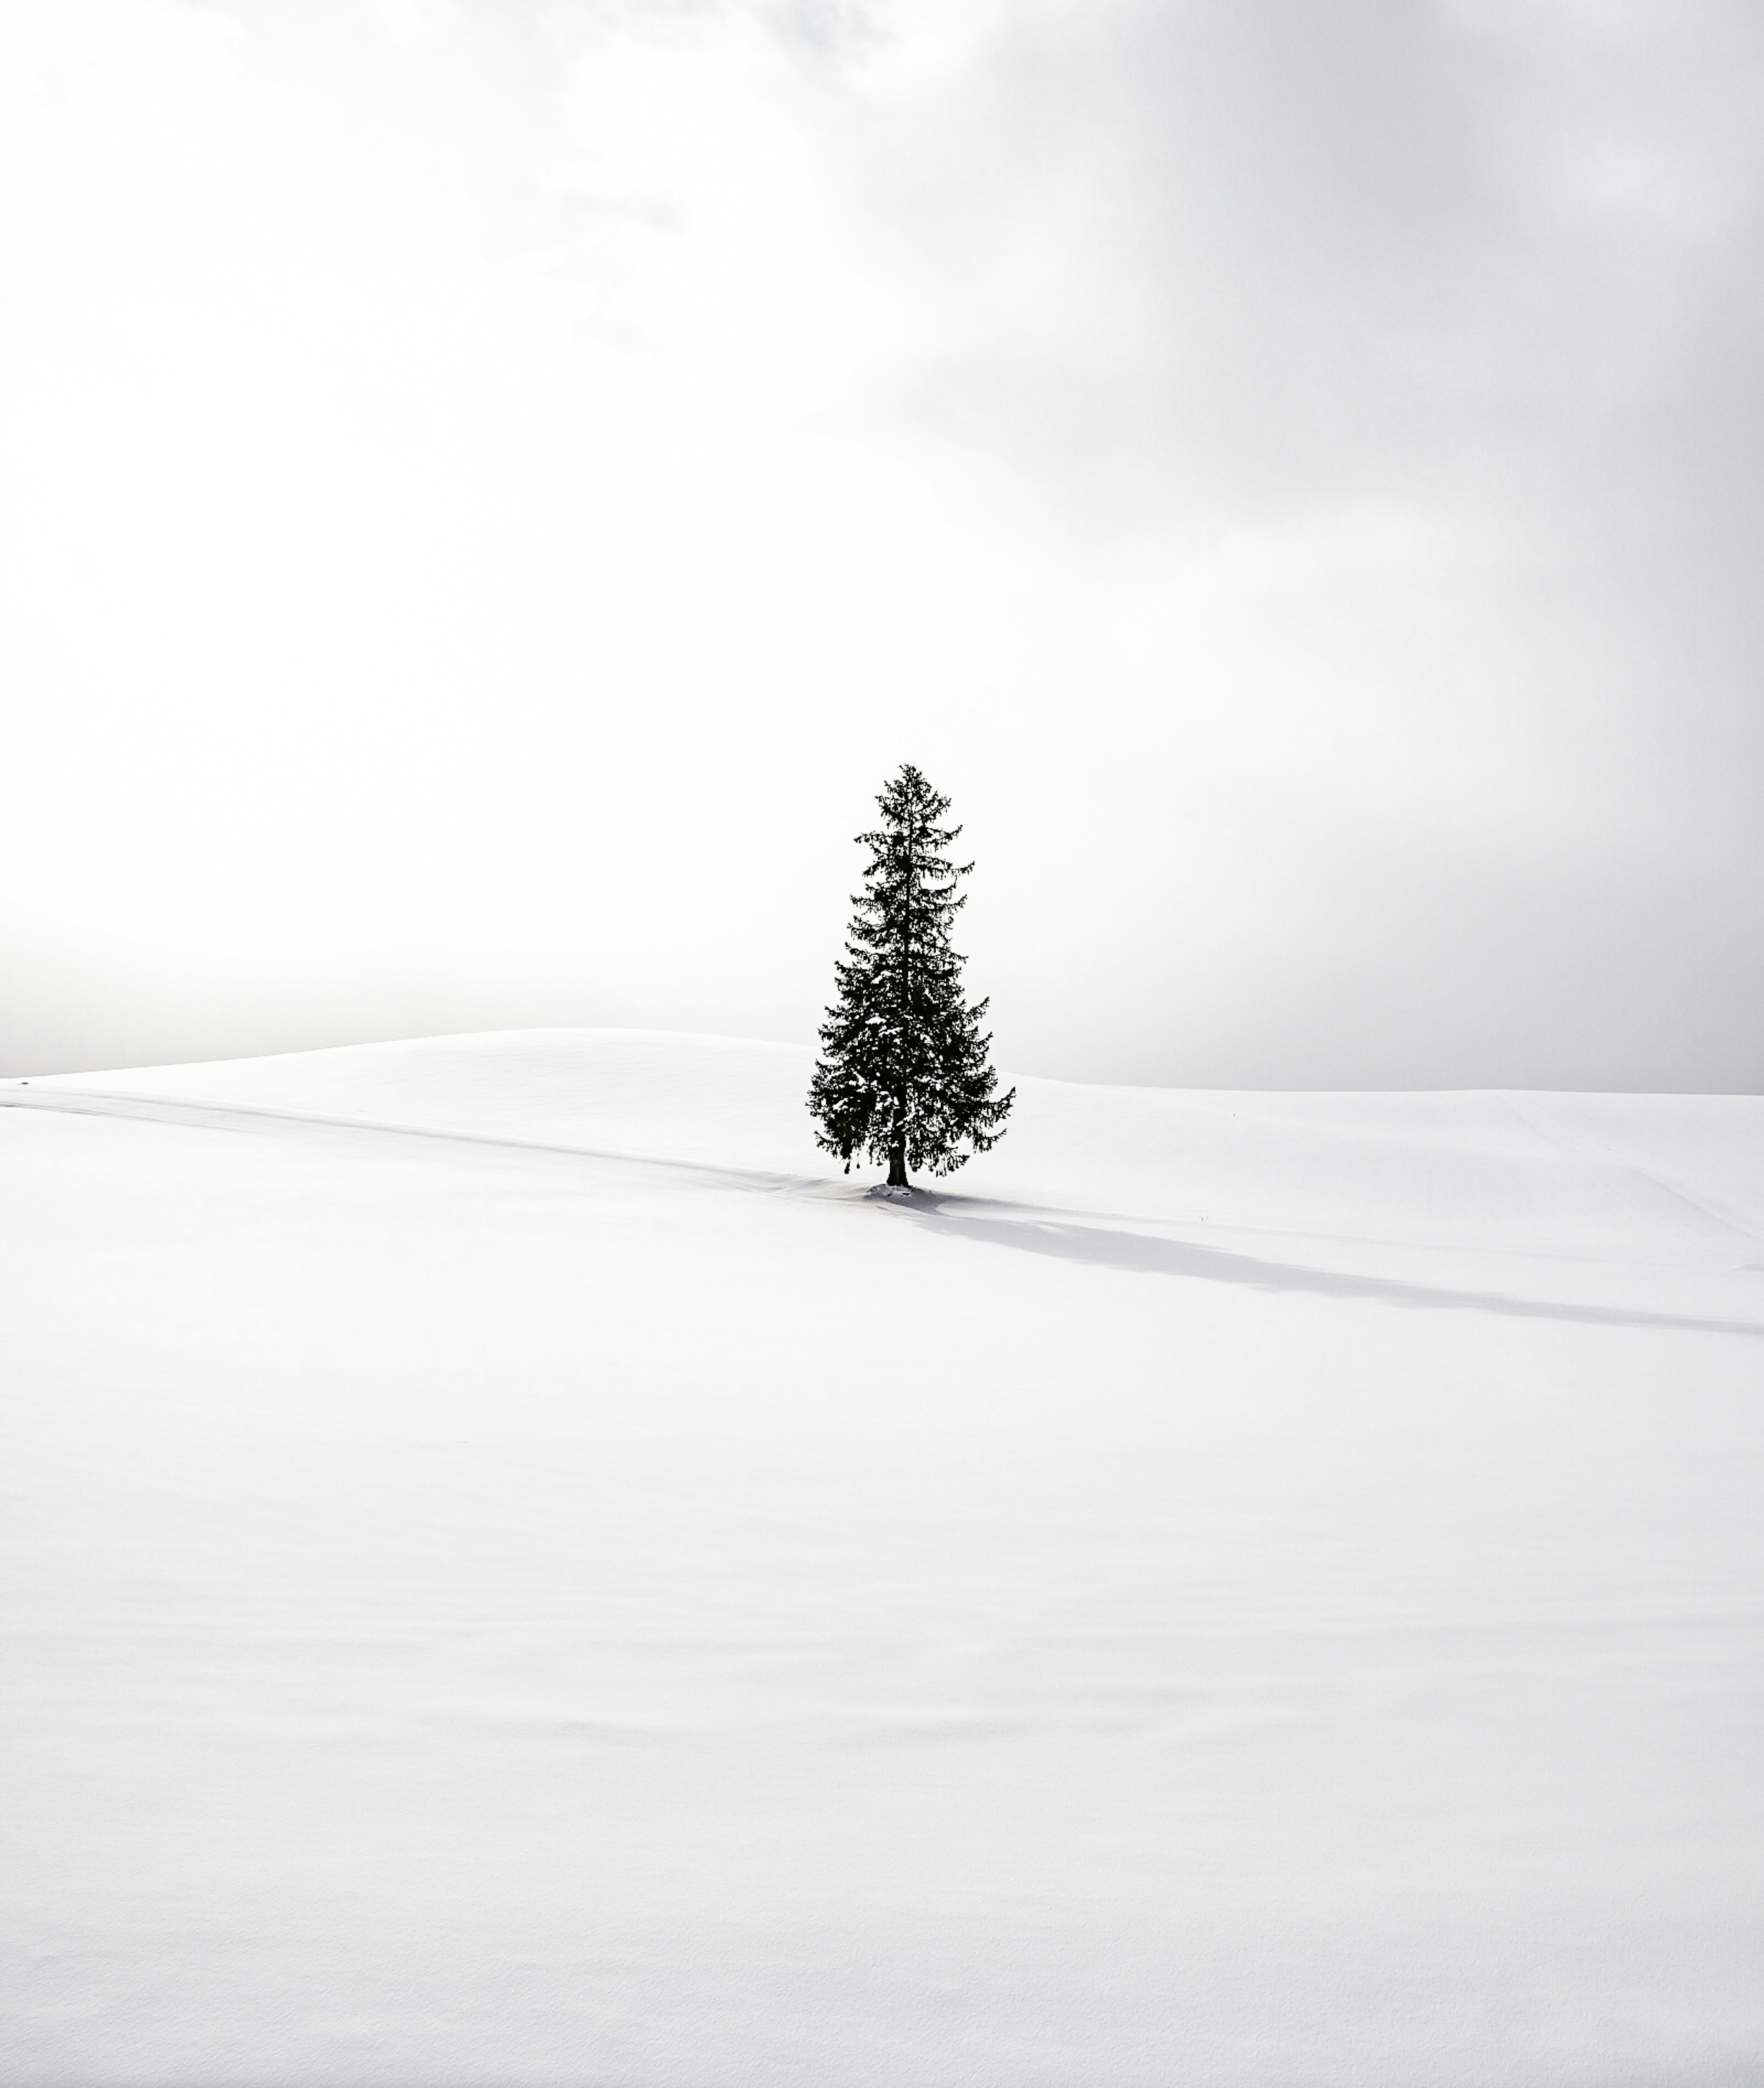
(1146, 1254)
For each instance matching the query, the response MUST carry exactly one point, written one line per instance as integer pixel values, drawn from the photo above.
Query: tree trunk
(897, 1166)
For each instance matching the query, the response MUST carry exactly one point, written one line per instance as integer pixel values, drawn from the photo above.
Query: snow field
(1267, 1591)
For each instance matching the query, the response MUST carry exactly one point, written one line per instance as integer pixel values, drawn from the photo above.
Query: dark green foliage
(903, 1076)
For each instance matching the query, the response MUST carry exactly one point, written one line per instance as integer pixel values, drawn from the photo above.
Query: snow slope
(517, 1573)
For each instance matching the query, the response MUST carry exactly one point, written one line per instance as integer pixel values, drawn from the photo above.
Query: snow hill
(518, 1571)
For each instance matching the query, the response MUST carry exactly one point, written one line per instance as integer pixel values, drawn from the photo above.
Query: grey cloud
(1313, 252)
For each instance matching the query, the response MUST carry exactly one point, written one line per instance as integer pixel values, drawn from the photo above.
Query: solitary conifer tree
(903, 1076)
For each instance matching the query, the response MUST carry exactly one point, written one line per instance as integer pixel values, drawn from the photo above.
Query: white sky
(489, 489)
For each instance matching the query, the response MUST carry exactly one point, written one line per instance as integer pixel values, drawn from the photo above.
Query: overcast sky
(490, 488)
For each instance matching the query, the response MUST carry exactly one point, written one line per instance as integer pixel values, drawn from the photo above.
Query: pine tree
(903, 1076)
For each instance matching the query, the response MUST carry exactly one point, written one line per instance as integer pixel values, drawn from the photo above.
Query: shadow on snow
(1146, 1255)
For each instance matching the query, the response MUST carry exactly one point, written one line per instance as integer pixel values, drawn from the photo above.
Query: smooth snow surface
(1231, 1588)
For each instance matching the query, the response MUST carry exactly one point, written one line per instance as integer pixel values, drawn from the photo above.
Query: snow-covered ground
(1233, 1588)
